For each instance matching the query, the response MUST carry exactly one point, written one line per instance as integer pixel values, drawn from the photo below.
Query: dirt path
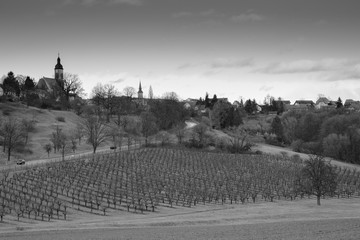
(270, 149)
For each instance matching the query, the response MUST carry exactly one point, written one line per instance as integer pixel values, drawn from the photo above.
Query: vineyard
(144, 180)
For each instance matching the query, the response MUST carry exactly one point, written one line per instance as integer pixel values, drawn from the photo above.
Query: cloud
(329, 70)
(231, 63)
(120, 80)
(90, 3)
(220, 63)
(309, 66)
(182, 14)
(247, 17)
(206, 13)
(344, 75)
(266, 88)
(129, 2)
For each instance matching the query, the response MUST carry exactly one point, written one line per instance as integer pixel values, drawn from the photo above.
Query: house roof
(322, 100)
(304, 102)
(286, 102)
(349, 102)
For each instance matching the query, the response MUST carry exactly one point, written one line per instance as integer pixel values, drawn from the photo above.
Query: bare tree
(13, 134)
(63, 142)
(79, 132)
(132, 131)
(72, 86)
(95, 130)
(48, 148)
(56, 138)
(116, 133)
(171, 96)
(129, 91)
(73, 140)
(318, 177)
(148, 125)
(105, 96)
(29, 126)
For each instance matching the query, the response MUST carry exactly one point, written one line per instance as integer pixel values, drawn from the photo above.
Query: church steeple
(140, 92)
(59, 70)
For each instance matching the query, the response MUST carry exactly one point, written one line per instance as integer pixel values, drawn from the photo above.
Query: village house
(352, 105)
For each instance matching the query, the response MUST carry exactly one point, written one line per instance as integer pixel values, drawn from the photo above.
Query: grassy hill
(46, 122)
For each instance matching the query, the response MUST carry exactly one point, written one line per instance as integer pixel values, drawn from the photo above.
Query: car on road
(20, 162)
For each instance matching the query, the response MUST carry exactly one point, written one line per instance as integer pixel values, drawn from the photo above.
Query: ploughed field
(147, 180)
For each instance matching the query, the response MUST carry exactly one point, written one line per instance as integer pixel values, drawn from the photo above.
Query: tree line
(333, 133)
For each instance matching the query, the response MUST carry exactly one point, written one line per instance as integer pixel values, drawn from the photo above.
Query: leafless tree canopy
(319, 177)
(129, 91)
(95, 130)
(12, 132)
(72, 85)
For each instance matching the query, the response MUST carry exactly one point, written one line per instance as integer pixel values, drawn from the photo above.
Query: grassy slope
(46, 123)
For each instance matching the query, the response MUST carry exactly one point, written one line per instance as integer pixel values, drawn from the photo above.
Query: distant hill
(46, 122)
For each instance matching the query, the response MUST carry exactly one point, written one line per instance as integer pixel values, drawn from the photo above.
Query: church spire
(140, 92)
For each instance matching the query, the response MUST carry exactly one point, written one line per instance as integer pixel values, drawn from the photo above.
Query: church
(50, 86)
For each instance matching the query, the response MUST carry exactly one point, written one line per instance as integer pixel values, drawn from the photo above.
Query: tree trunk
(318, 199)
(9, 152)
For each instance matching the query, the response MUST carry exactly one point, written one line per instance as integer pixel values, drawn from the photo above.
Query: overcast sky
(294, 49)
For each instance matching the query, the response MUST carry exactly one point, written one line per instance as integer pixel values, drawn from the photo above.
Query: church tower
(140, 92)
(59, 70)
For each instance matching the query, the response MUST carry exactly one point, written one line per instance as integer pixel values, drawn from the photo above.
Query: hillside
(46, 122)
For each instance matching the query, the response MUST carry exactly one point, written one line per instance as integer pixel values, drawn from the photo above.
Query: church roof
(46, 83)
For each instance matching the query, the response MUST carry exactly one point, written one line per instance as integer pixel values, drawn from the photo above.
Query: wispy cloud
(307, 66)
(266, 88)
(249, 16)
(324, 69)
(120, 80)
(206, 13)
(220, 63)
(90, 3)
(231, 63)
(182, 14)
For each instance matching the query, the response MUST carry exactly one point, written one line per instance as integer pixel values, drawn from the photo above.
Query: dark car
(20, 162)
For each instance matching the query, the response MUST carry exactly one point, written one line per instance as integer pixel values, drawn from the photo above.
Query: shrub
(6, 112)
(60, 119)
(312, 147)
(272, 139)
(296, 146)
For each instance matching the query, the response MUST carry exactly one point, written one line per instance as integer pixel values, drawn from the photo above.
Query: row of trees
(14, 134)
(332, 133)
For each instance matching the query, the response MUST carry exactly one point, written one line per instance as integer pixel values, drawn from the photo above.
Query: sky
(239, 49)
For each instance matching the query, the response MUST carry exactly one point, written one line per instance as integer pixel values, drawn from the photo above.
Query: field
(168, 189)
(46, 122)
